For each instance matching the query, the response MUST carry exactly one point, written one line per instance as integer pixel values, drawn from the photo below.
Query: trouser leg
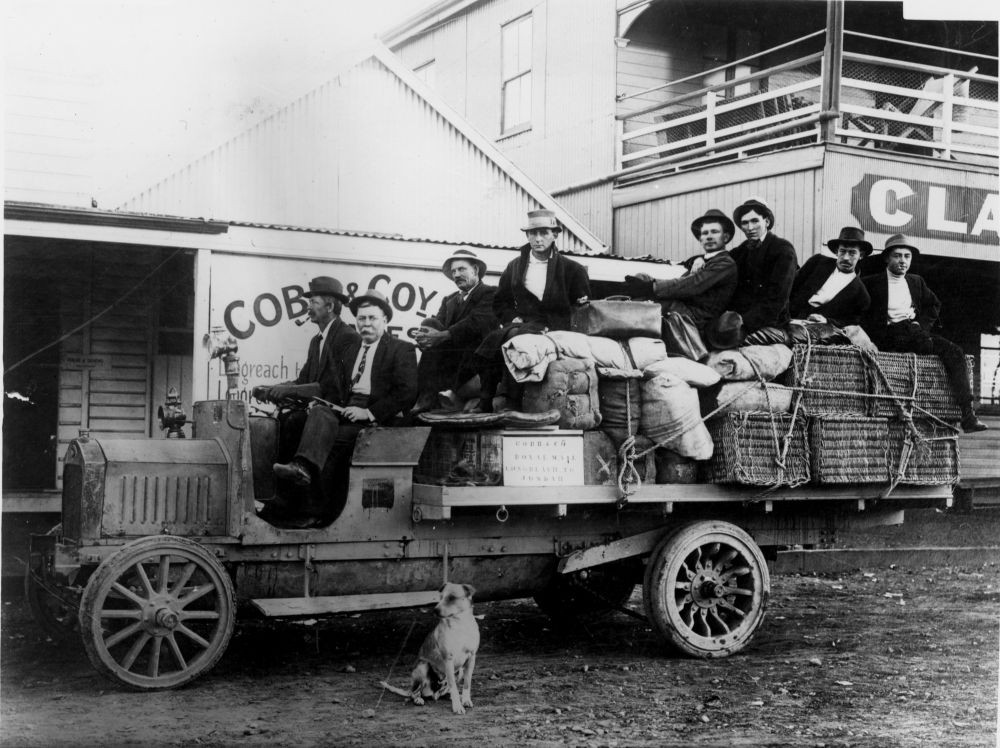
(953, 359)
(318, 436)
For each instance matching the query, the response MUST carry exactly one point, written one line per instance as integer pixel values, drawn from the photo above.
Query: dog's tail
(393, 689)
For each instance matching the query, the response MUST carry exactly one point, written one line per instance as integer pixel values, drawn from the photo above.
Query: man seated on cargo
(702, 293)
(902, 314)
(537, 292)
(449, 339)
(377, 384)
(826, 289)
(766, 266)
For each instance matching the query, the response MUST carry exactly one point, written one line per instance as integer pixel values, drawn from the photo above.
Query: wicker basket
(747, 446)
(849, 449)
(921, 377)
(933, 458)
(837, 373)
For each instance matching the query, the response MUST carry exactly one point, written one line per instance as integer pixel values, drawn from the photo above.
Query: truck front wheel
(706, 588)
(157, 613)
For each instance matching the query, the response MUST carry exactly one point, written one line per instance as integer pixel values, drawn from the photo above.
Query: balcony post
(833, 60)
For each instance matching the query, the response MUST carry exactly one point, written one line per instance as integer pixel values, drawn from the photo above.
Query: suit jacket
(565, 282)
(925, 303)
(394, 377)
(765, 280)
(705, 292)
(846, 308)
(324, 366)
(469, 321)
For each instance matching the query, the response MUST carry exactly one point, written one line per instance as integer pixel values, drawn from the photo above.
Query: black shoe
(294, 472)
(971, 424)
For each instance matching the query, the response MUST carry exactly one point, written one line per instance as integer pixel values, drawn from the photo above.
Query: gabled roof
(372, 150)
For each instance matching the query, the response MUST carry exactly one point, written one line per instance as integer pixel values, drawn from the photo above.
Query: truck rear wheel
(157, 613)
(706, 588)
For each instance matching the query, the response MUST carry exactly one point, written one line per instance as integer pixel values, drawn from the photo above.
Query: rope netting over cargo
(770, 416)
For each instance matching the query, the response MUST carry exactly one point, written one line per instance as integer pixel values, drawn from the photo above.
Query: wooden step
(281, 607)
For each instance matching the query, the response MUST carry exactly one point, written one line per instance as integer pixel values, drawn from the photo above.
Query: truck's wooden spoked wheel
(158, 613)
(706, 588)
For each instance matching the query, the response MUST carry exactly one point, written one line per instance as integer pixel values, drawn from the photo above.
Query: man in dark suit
(377, 382)
(827, 289)
(766, 266)
(702, 293)
(449, 339)
(538, 290)
(320, 376)
(902, 314)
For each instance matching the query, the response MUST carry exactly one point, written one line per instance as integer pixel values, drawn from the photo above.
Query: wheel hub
(159, 617)
(707, 589)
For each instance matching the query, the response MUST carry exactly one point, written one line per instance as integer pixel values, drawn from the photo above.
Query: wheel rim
(711, 591)
(158, 618)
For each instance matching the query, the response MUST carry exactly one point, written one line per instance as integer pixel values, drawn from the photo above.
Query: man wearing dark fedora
(318, 377)
(827, 289)
(701, 294)
(449, 339)
(903, 312)
(537, 291)
(766, 266)
(377, 383)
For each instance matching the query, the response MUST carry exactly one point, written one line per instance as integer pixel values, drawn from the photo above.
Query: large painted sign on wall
(924, 209)
(260, 302)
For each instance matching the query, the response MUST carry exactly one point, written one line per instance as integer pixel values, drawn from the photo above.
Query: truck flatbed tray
(436, 502)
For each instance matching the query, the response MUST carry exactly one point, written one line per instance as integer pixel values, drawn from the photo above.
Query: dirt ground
(882, 658)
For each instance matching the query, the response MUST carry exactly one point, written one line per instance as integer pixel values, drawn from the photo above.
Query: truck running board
(278, 607)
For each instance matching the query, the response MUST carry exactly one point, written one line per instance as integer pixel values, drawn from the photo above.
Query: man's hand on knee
(357, 415)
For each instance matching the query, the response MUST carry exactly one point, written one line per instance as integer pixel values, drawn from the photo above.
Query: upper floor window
(515, 86)
(425, 72)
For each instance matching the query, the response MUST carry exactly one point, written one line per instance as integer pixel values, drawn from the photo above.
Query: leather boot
(970, 422)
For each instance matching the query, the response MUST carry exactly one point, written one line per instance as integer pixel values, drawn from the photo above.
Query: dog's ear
(469, 590)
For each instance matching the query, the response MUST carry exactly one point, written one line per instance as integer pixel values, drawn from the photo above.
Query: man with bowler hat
(449, 339)
(827, 289)
(902, 314)
(538, 290)
(377, 383)
(702, 293)
(766, 266)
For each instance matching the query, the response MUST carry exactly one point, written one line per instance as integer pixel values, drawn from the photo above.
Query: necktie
(361, 366)
(698, 263)
(753, 243)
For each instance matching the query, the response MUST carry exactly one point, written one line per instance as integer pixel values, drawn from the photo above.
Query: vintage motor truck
(161, 546)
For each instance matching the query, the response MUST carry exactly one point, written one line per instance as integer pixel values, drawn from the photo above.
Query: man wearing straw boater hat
(449, 339)
(378, 382)
(902, 314)
(538, 290)
(827, 289)
(766, 266)
(701, 294)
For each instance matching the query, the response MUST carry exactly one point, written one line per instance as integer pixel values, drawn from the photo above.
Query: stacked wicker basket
(856, 418)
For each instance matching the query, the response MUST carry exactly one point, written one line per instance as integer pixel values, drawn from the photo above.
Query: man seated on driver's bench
(378, 382)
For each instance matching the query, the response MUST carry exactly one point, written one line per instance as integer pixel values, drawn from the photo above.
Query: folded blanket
(695, 374)
(527, 356)
(745, 363)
